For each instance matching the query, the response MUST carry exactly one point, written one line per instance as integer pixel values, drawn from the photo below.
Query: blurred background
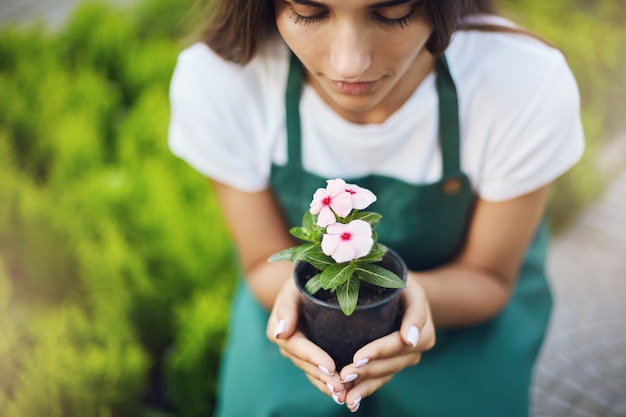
(115, 268)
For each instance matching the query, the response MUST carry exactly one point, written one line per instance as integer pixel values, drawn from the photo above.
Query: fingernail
(331, 388)
(336, 398)
(357, 403)
(325, 370)
(280, 328)
(413, 335)
(361, 362)
(350, 378)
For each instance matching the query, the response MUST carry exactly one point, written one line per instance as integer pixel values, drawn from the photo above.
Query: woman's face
(364, 57)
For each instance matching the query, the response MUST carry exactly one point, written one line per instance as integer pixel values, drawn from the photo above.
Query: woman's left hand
(377, 362)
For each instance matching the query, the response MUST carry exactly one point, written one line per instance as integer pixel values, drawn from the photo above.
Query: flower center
(327, 200)
(345, 236)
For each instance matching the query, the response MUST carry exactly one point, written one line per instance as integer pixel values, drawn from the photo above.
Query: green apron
(479, 371)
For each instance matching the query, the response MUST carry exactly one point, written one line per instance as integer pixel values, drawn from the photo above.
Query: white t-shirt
(518, 108)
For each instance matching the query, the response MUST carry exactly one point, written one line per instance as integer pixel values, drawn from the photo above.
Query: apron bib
(482, 371)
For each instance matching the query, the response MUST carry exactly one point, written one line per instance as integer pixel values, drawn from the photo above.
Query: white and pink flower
(345, 242)
(330, 201)
(361, 197)
(339, 199)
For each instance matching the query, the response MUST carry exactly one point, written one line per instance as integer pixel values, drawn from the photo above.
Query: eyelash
(399, 23)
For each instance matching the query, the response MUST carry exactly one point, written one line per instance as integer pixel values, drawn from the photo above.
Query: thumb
(284, 316)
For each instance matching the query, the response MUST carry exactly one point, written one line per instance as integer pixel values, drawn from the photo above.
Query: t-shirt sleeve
(538, 135)
(216, 119)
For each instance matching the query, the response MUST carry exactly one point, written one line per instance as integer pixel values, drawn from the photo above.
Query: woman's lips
(354, 89)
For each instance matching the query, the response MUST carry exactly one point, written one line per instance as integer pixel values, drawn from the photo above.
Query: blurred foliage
(112, 249)
(115, 268)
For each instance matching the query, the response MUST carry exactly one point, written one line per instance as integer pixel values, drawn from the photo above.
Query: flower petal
(329, 243)
(342, 204)
(359, 227)
(335, 187)
(361, 245)
(344, 252)
(361, 197)
(318, 198)
(326, 217)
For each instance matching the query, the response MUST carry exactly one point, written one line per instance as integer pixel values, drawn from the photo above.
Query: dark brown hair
(236, 27)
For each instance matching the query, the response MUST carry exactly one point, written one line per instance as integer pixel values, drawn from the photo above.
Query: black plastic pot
(340, 335)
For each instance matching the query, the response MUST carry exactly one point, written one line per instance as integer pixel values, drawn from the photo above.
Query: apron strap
(448, 116)
(292, 102)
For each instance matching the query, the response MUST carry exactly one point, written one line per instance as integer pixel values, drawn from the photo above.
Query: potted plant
(349, 282)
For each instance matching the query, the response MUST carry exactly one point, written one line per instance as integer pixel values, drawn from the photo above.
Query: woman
(460, 118)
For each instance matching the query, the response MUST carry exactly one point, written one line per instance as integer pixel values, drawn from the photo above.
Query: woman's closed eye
(399, 15)
(305, 14)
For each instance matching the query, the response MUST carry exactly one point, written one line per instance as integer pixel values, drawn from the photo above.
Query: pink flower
(345, 242)
(361, 197)
(330, 201)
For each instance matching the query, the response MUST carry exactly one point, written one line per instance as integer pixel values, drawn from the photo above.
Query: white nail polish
(331, 388)
(350, 378)
(280, 328)
(325, 370)
(356, 404)
(361, 362)
(413, 335)
(336, 398)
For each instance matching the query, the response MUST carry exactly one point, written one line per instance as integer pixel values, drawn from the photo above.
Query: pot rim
(300, 265)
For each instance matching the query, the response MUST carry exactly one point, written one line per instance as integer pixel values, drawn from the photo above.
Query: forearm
(266, 279)
(461, 295)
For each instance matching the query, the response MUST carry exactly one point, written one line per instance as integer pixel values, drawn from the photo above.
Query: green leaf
(377, 275)
(348, 295)
(302, 233)
(284, 255)
(336, 274)
(372, 218)
(308, 220)
(317, 258)
(313, 284)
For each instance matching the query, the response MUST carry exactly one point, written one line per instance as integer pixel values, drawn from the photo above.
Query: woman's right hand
(283, 329)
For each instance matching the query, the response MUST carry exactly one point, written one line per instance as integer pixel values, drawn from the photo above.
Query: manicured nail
(325, 370)
(331, 388)
(336, 398)
(280, 328)
(413, 335)
(350, 378)
(355, 406)
(361, 362)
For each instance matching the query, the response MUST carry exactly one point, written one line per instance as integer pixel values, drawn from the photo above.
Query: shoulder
(507, 67)
(519, 107)
(223, 115)
(201, 72)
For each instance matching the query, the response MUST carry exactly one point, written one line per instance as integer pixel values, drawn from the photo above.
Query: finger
(284, 316)
(415, 317)
(363, 389)
(382, 368)
(339, 398)
(328, 384)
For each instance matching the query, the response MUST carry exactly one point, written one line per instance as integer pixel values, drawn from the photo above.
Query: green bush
(115, 266)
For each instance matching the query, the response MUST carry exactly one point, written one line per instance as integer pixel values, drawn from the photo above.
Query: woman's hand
(374, 364)
(284, 330)
(377, 362)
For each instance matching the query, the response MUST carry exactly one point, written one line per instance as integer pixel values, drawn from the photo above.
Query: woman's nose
(350, 54)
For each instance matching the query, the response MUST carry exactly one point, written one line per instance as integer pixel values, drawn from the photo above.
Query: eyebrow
(386, 3)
